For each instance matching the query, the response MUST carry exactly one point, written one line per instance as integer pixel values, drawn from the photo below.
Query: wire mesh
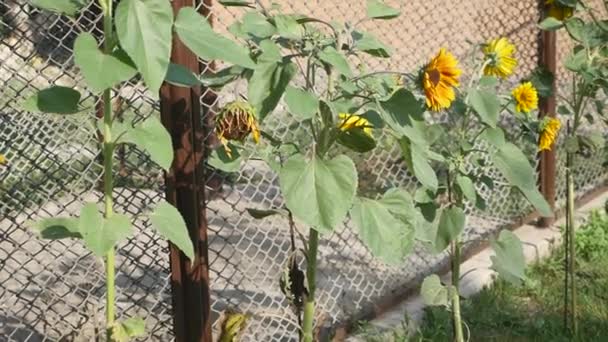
(53, 291)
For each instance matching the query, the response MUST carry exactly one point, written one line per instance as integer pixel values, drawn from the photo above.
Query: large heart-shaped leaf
(509, 260)
(403, 113)
(451, 224)
(101, 71)
(101, 234)
(195, 32)
(170, 224)
(417, 160)
(144, 31)
(152, 137)
(56, 100)
(319, 192)
(486, 104)
(433, 292)
(387, 235)
(301, 102)
(516, 169)
(67, 7)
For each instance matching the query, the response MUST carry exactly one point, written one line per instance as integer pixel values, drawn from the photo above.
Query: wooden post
(185, 183)
(548, 158)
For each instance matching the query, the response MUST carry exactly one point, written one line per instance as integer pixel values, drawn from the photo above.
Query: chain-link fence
(53, 291)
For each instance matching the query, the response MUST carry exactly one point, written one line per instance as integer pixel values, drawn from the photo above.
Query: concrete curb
(538, 243)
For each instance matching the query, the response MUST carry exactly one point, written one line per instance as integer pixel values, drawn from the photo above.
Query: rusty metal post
(185, 182)
(548, 60)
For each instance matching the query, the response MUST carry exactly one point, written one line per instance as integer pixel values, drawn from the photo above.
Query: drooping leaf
(179, 75)
(433, 292)
(301, 102)
(417, 161)
(144, 31)
(169, 223)
(101, 71)
(509, 260)
(67, 7)
(387, 237)
(127, 330)
(57, 228)
(152, 137)
(56, 100)
(260, 213)
(101, 234)
(516, 169)
(366, 42)
(337, 60)
(195, 32)
(222, 77)
(451, 224)
(486, 104)
(377, 9)
(319, 192)
(267, 85)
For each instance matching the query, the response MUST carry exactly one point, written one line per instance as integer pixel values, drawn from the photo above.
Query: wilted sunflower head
(439, 77)
(350, 121)
(236, 121)
(526, 97)
(499, 54)
(549, 130)
(558, 11)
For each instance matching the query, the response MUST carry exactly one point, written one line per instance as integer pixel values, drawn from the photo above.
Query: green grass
(533, 312)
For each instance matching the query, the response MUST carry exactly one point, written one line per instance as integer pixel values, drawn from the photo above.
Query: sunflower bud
(236, 121)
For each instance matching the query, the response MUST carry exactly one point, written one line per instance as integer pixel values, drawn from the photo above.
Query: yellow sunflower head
(499, 54)
(350, 121)
(526, 97)
(439, 78)
(236, 121)
(3, 160)
(558, 11)
(549, 130)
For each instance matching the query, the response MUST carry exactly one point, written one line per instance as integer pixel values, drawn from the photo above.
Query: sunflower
(235, 122)
(3, 160)
(499, 52)
(350, 121)
(439, 78)
(526, 97)
(558, 11)
(549, 130)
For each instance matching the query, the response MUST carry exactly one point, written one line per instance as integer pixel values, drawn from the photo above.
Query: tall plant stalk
(311, 270)
(570, 301)
(455, 294)
(108, 152)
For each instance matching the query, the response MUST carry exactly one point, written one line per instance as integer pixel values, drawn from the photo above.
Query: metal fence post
(548, 158)
(181, 114)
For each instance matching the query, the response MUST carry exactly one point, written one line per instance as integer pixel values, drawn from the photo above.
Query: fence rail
(53, 291)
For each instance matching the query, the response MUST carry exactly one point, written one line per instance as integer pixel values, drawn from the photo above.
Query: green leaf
(288, 27)
(576, 61)
(337, 60)
(56, 100)
(220, 159)
(433, 292)
(357, 140)
(509, 260)
(542, 79)
(235, 3)
(366, 42)
(169, 223)
(319, 192)
(486, 104)
(451, 224)
(387, 237)
(256, 25)
(195, 32)
(152, 137)
(101, 71)
(271, 52)
(550, 24)
(222, 77)
(267, 85)
(57, 228)
(467, 188)
(488, 81)
(101, 234)
(301, 102)
(417, 161)
(125, 331)
(376, 9)
(260, 214)
(516, 169)
(144, 31)
(575, 28)
(179, 75)
(495, 136)
(403, 112)
(67, 7)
